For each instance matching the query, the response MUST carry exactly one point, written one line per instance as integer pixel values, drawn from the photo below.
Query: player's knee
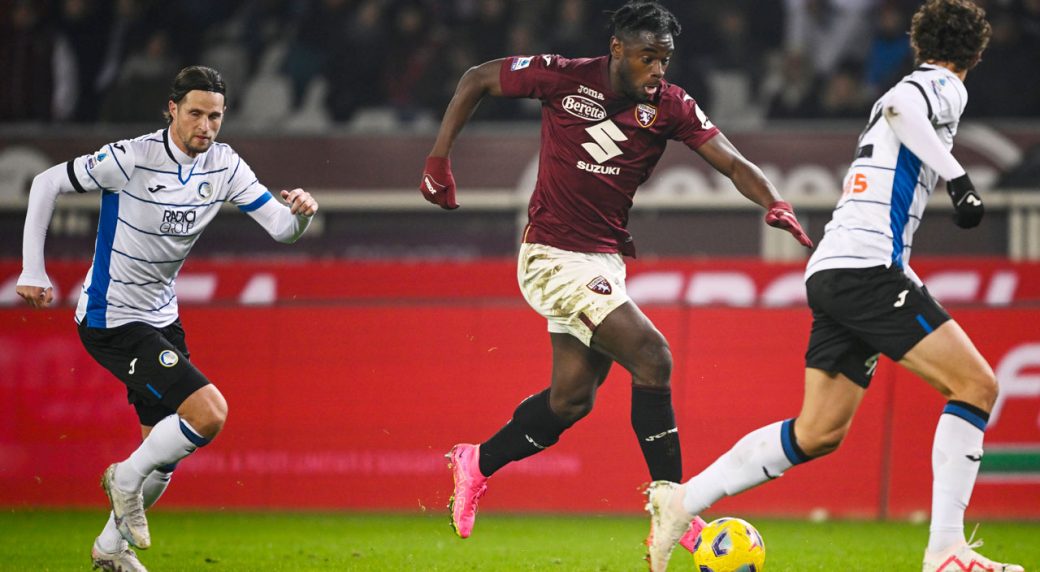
(209, 418)
(982, 391)
(820, 443)
(571, 408)
(655, 367)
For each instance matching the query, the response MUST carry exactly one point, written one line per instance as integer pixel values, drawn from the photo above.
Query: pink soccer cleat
(470, 485)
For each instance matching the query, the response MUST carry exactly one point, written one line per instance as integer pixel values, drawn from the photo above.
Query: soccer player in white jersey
(158, 193)
(867, 301)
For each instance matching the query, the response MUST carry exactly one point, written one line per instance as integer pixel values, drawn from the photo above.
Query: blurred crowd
(319, 63)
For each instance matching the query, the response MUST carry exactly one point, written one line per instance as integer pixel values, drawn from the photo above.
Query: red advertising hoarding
(350, 400)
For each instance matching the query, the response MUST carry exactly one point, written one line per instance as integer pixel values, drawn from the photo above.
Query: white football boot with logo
(128, 509)
(963, 558)
(123, 560)
(669, 523)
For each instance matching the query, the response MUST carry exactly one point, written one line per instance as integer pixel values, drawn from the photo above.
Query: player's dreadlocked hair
(194, 77)
(954, 31)
(643, 16)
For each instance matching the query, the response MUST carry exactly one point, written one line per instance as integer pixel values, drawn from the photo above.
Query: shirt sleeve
(534, 77)
(279, 222)
(909, 113)
(244, 190)
(694, 128)
(108, 169)
(254, 199)
(44, 191)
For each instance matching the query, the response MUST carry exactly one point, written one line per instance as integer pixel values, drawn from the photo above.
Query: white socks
(171, 440)
(154, 485)
(956, 456)
(761, 455)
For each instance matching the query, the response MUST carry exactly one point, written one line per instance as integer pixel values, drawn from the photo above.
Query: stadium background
(413, 331)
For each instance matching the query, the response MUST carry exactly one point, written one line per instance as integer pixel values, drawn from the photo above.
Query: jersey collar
(946, 71)
(175, 153)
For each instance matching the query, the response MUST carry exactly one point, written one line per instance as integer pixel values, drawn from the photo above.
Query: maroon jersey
(597, 147)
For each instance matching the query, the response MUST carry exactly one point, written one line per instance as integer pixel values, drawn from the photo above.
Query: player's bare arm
(477, 82)
(753, 184)
(438, 183)
(746, 176)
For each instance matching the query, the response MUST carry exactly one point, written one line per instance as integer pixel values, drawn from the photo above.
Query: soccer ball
(729, 545)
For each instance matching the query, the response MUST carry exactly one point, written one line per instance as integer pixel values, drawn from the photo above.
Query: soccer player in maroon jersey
(605, 124)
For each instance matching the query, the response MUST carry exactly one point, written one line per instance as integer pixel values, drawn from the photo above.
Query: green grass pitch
(219, 541)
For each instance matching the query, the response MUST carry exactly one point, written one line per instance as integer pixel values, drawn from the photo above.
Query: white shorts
(574, 291)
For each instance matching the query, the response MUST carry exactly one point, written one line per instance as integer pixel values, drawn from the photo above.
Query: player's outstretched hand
(300, 202)
(967, 206)
(36, 296)
(438, 184)
(781, 215)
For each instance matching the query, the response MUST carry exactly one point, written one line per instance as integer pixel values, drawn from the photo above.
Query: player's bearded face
(196, 120)
(642, 62)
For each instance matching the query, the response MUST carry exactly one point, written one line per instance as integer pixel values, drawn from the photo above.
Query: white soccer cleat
(668, 522)
(123, 560)
(963, 558)
(128, 510)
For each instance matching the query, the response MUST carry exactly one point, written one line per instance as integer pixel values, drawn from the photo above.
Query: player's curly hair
(195, 77)
(643, 16)
(954, 31)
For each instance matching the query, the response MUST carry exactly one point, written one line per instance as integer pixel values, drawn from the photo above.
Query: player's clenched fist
(300, 202)
(781, 215)
(438, 184)
(36, 296)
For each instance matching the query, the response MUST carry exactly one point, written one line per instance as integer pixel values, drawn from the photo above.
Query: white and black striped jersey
(155, 202)
(887, 187)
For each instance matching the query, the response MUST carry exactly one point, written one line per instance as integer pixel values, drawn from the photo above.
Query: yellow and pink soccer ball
(729, 545)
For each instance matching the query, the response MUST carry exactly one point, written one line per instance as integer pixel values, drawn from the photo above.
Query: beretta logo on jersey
(205, 190)
(583, 107)
(646, 115)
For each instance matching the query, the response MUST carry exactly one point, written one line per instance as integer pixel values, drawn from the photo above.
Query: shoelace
(972, 543)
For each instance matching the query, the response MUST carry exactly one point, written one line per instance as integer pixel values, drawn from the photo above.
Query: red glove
(781, 215)
(438, 184)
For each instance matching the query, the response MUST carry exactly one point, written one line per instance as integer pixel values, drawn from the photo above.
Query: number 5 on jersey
(606, 136)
